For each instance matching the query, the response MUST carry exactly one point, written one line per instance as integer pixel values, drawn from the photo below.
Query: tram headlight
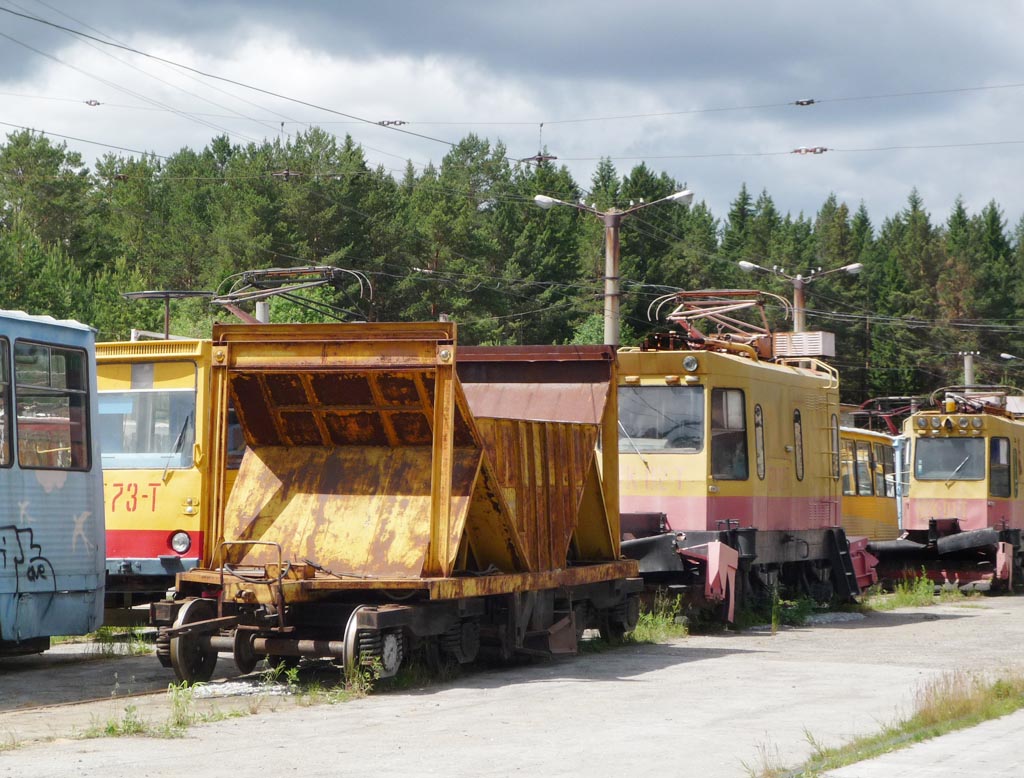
(936, 422)
(181, 542)
(976, 422)
(689, 364)
(964, 422)
(922, 422)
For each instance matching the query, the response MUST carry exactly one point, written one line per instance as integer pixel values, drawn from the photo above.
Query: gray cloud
(543, 61)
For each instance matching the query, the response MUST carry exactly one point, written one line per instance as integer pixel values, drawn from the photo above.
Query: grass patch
(777, 612)
(664, 620)
(112, 641)
(914, 592)
(947, 703)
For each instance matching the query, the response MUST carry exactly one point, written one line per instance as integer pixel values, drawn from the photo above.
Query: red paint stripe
(147, 544)
(764, 513)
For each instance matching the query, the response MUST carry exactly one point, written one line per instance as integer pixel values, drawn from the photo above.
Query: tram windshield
(949, 459)
(661, 418)
(149, 428)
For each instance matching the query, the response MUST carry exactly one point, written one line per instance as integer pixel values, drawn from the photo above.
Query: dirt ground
(706, 705)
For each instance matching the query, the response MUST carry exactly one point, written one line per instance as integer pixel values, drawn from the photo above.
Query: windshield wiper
(634, 446)
(178, 442)
(957, 470)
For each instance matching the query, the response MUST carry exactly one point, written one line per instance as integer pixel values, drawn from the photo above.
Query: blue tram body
(52, 548)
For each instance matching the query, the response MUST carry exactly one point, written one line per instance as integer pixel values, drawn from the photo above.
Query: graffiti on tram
(33, 571)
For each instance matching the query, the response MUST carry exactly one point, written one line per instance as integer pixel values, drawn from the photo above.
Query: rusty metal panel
(362, 511)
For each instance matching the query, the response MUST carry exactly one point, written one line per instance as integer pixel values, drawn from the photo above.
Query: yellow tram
(729, 460)
(154, 427)
(869, 483)
(962, 513)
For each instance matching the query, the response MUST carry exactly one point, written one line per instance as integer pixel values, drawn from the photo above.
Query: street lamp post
(799, 282)
(612, 220)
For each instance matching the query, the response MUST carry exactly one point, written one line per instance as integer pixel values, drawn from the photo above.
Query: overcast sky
(707, 87)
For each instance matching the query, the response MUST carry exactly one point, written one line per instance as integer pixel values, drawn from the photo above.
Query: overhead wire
(114, 85)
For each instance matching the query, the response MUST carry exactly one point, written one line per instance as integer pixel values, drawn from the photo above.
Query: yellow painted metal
(157, 498)
(366, 463)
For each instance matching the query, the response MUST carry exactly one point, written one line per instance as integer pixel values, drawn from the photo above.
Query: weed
(663, 621)
(129, 724)
(183, 699)
(768, 764)
(285, 673)
(360, 678)
(911, 592)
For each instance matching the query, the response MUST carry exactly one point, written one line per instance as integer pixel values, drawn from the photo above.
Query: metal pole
(612, 221)
(968, 367)
(799, 324)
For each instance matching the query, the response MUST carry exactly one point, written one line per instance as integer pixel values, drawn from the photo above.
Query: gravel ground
(706, 705)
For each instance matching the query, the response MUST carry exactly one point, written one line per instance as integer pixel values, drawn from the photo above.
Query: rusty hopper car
(398, 494)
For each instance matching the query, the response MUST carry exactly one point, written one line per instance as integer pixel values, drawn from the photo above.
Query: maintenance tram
(154, 425)
(729, 460)
(51, 517)
(962, 514)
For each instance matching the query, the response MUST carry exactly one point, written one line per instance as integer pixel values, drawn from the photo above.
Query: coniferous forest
(465, 239)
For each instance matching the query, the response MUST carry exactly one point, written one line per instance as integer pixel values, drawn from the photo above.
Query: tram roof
(37, 319)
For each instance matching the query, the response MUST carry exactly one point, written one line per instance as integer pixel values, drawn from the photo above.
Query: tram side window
(5, 404)
(798, 445)
(885, 478)
(728, 435)
(51, 406)
(999, 467)
(849, 472)
(759, 441)
(864, 469)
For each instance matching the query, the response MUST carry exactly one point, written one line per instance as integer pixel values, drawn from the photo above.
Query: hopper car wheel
(244, 656)
(352, 640)
(192, 657)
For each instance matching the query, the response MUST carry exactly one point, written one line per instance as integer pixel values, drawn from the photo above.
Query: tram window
(759, 441)
(798, 445)
(949, 459)
(5, 403)
(728, 435)
(865, 468)
(51, 406)
(152, 424)
(661, 418)
(999, 467)
(885, 471)
(849, 471)
(1016, 474)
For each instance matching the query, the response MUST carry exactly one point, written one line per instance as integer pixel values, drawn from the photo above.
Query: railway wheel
(244, 656)
(192, 657)
(617, 621)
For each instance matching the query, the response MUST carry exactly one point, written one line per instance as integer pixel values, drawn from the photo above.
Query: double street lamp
(800, 282)
(612, 219)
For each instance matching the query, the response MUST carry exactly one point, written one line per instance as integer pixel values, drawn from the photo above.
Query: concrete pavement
(991, 749)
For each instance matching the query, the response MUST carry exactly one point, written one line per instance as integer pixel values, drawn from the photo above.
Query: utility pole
(612, 220)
